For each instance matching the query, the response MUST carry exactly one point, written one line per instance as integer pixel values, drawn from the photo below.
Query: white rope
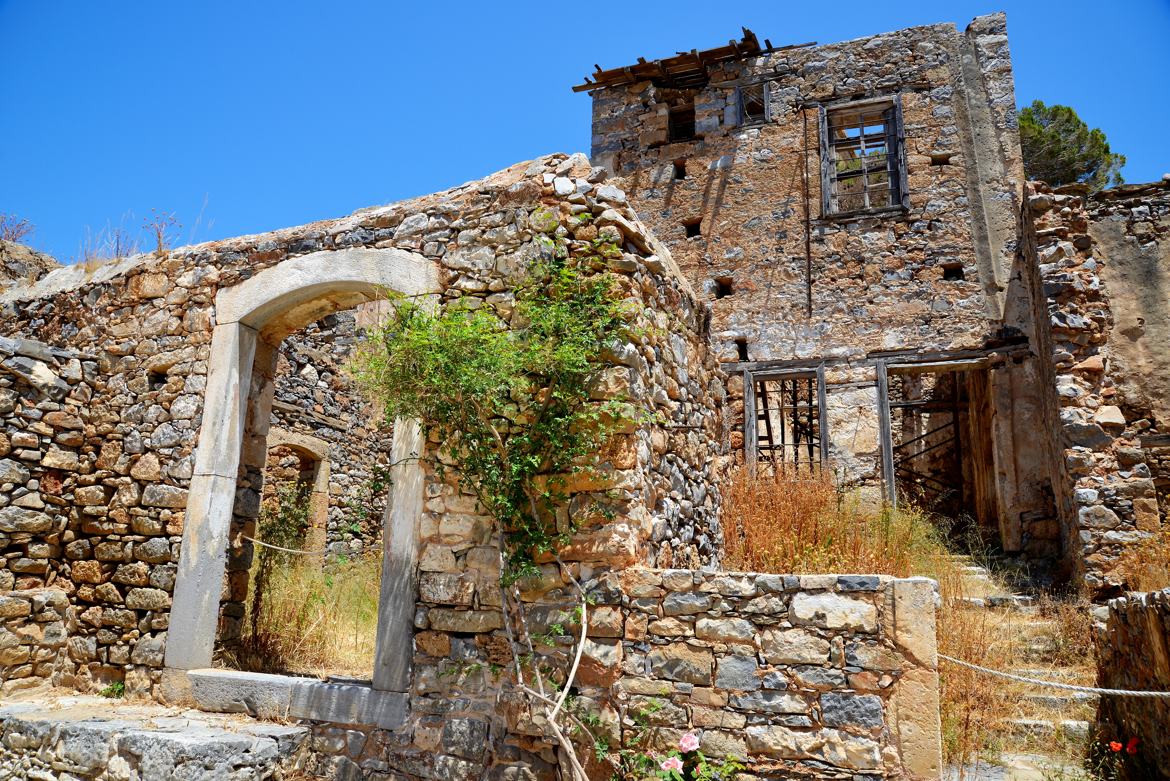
(1054, 684)
(277, 547)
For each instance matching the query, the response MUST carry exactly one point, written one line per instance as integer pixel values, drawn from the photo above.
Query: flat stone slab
(284, 696)
(97, 737)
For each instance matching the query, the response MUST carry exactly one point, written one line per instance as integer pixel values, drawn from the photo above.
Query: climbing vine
(511, 402)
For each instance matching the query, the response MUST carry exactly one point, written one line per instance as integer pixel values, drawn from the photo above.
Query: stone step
(1062, 701)
(1075, 729)
(1015, 602)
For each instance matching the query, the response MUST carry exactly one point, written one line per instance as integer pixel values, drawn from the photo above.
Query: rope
(277, 547)
(1054, 684)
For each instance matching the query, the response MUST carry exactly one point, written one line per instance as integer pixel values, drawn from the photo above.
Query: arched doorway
(251, 318)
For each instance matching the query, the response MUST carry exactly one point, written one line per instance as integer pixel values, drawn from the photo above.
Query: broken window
(861, 162)
(682, 122)
(787, 429)
(753, 103)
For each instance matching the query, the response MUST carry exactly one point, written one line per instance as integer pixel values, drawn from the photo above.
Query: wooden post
(750, 437)
(822, 414)
(885, 434)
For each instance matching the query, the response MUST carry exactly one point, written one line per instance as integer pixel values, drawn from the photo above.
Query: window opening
(723, 287)
(789, 420)
(953, 272)
(753, 103)
(680, 170)
(741, 348)
(682, 122)
(862, 156)
(693, 228)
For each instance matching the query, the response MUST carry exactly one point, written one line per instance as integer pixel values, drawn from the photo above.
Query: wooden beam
(750, 434)
(823, 414)
(885, 435)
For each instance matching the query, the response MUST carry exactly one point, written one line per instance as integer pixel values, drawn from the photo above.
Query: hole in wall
(953, 272)
(680, 170)
(723, 287)
(941, 158)
(156, 379)
(741, 348)
(693, 227)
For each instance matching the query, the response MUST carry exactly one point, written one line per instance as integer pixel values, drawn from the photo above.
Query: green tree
(1059, 148)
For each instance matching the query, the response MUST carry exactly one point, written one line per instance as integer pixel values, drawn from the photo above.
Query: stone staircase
(1049, 724)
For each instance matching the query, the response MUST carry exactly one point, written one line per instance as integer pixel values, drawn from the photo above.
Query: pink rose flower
(688, 742)
(672, 763)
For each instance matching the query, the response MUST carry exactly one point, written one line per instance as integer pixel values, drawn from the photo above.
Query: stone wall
(805, 284)
(936, 274)
(825, 676)
(1107, 496)
(1132, 655)
(313, 396)
(34, 627)
(1130, 228)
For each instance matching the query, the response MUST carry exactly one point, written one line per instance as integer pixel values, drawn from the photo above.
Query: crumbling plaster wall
(1106, 493)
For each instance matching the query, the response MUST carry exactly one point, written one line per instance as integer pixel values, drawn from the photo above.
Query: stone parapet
(1132, 654)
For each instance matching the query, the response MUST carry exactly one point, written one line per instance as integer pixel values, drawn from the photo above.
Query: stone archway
(262, 310)
(316, 452)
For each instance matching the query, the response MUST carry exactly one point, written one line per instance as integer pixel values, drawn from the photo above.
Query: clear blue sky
(275, 114)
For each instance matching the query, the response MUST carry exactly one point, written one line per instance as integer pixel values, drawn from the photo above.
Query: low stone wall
(1132, 654)
(33, 632)
(820, 676)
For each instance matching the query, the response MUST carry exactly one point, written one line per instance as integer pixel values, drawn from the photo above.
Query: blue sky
(247, 116)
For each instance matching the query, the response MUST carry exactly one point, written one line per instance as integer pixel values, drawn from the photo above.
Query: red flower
(1115, 746)
(1131, 746)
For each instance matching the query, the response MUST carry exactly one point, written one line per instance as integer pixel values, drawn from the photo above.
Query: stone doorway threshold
(48, 736)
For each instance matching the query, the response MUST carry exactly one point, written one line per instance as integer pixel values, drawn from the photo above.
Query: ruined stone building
(832, 259)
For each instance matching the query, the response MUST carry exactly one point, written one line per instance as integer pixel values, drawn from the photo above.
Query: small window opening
(680, 170)
(693, 228)
(723, 287)
(753, 104)
(941, 158)
(863, 171)
(156, 379)
(741, 348)
(953, 272)
(681, 123)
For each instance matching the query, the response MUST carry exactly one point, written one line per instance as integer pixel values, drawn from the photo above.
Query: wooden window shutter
(897, 134)
(826, 163)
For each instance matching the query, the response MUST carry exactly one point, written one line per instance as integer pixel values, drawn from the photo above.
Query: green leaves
(510, 401)
(1059, 148)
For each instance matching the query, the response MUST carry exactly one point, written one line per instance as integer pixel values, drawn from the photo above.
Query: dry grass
(315, 621)
(1146, 566)
(801, 523)
(304, 617)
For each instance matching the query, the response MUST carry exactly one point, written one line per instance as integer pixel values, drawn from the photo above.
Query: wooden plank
(823, 413)
(826, 162)
(899, 137)
(885, 435)
(933, 367)
(750, 445)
